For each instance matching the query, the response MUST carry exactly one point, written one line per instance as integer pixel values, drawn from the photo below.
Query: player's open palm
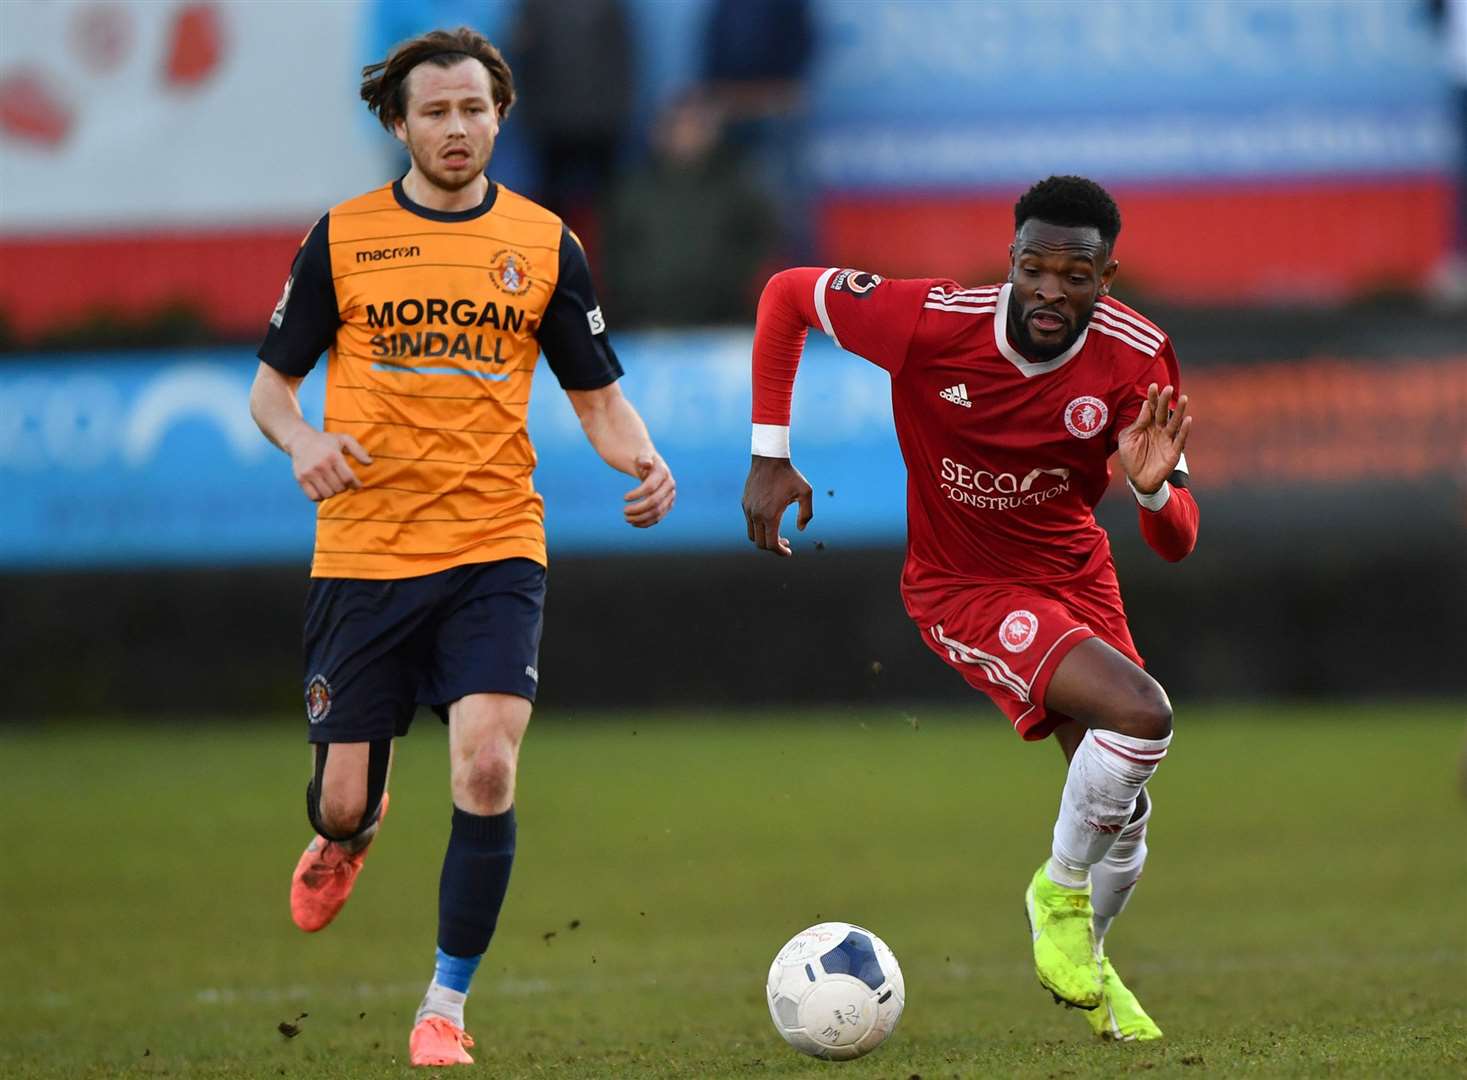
(319, 463)
(772, 485)
(1151, 447)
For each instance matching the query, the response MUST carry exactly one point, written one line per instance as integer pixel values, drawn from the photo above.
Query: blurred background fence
(1289, 174)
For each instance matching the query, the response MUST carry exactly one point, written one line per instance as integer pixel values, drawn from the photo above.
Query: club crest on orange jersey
(1017, 631)
(510, 270)
(1085, 417)
(318, 699)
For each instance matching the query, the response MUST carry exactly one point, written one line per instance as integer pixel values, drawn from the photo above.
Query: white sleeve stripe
(1135, 343)
(1142, 329)
(959, 307)
(1144, 343)
(1182, 465)
(943, 294)
(820, 284)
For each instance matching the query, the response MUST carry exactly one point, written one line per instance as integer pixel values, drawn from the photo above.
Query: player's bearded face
(1058, 273)
(450, 123)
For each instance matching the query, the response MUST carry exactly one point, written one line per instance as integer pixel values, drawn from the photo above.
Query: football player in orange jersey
(434, 296)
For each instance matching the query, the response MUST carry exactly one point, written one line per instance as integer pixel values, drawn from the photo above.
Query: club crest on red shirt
(1085, 417)
(1017, 630)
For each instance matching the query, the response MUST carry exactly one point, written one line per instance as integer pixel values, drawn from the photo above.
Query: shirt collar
(1028, 368)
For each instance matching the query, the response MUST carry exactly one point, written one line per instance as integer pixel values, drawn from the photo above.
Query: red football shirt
(1006, 459)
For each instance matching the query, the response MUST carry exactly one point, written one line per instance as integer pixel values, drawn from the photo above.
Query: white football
(835, 991)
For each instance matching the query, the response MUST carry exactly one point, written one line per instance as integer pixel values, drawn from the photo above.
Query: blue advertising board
(152, 459)
(950, 93)
(944, 95)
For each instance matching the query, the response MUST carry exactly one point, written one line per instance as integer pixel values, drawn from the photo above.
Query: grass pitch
(1304, 912)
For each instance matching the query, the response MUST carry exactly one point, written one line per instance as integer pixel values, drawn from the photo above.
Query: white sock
(1106, 775)
(441, 1001)
(1113, 878)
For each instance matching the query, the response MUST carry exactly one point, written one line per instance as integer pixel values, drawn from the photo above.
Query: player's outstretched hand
(773, 484)
(649, 502)
(1151, 447)
(319, 463)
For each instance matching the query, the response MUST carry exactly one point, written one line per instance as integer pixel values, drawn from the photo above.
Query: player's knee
(1149, 713)
(486, 783)
(1139, 708)
(340, 814)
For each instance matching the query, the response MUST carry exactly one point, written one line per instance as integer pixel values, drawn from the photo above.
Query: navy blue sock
(474, 880)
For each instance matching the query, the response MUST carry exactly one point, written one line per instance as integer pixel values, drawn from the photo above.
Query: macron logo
(378, 254)
(958, 395)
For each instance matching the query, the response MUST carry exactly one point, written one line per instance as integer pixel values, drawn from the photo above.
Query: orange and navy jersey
(433, 322)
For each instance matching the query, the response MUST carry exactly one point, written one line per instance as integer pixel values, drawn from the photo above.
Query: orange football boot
(323, 879)
(435, 1041)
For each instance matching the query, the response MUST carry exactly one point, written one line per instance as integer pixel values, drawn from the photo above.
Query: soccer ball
(835, 991)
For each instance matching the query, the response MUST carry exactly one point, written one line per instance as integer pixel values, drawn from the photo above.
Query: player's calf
(328, 868)
(1129, 722)
(1106, 775)
(344, 795)
(484, 734)
(1114, 878)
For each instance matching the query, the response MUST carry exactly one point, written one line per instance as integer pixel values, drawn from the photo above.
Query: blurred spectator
(756, 59)
(573, 62)
(757, 54)
(688, 232)
(1449, 284)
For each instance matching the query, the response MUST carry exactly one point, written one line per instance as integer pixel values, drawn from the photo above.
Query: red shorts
(1007, 640)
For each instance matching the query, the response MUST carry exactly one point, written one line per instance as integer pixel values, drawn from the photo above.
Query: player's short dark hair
(1072, 201)
(384, 84)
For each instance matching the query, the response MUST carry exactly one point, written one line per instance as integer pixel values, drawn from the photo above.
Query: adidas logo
(958, 395)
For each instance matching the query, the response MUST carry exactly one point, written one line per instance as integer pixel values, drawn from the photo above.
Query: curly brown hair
(384, 84)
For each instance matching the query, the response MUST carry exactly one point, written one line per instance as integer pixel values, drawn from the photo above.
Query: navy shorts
(376, 650)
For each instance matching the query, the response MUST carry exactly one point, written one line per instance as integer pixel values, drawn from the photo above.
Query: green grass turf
(1304, 914)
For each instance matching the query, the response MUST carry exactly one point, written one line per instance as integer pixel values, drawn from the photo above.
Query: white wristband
(771, 440)
(1156, 500)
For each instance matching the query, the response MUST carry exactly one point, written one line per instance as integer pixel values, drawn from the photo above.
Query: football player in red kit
(1009, 401)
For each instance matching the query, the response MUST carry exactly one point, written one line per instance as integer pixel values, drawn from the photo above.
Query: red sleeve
(786, 312)
(862, 313)
(1164, 371)
(1171, 532)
